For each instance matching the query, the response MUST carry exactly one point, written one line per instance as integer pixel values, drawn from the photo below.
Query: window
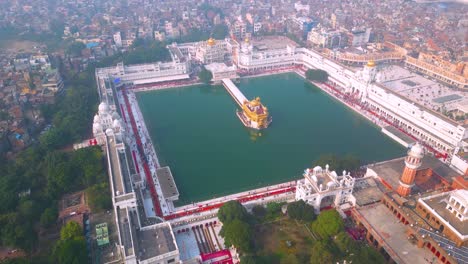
(171, 261)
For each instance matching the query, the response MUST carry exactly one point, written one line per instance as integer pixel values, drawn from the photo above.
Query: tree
(317, 75)
(232, 210)
(248, 260)
(321, 252)
(71, 230)
(345, 244)
(49, 217)
(259, 211)
(17, 231)
(70, 251)
(205, 75)
(367, 254)
(300, 210)
(57, 27)
(75, 48)
(337, 163)
(220, 31)
(274, 209)
(238, 234)
(289, 259)
(328, 223)
(99, 197)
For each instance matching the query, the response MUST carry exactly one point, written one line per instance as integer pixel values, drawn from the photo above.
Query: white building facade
(322, 187)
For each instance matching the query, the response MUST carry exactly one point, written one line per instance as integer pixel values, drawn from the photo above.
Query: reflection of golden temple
(371, 63)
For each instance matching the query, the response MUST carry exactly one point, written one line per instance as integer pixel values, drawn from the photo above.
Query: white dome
(116, 123)
(109, 131)
(103, 107)
(96, 119)
(417, 150)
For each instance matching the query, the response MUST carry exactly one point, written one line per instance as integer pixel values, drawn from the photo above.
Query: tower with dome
(106, 122)
(412, 162)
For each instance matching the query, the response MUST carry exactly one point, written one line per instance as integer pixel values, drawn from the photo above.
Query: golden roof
(255, 102)
(371, 63)
(211, 41)
(246, 40)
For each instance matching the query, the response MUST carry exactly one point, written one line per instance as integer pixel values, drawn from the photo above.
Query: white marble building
(322, 187)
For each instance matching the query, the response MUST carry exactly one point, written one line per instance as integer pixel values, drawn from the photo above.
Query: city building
(211, 51)
(222, 71)
(118, 39)
(145, 73)
(324, 38)
(264, 53)
(448, 214)
(358, 37)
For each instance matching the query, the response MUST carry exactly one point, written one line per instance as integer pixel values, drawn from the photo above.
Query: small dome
(247, 40)
(417, 151)
(116, 123)
(96, 119)
(211, 41)
(115, 115)
(103, 107)
(371, 63)
(109, 131)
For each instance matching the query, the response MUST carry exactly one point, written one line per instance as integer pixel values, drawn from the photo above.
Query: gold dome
(255, 102)
(371, 63)
(211, 41)
(247, 40)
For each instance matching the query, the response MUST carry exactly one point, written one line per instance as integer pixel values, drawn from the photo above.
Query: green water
(197, 133)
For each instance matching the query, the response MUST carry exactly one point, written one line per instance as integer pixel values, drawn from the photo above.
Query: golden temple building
(254, 114)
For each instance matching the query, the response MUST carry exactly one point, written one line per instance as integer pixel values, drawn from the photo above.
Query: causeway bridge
(234, 92)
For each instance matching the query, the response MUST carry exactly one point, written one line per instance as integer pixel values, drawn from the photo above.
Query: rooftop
(155, 240)
(390, 171)
(166, 180)
(366, 191)
(438, 203)
(424, 91)
(116, 170)
(395, 131)
(393, 233)
(272, 42)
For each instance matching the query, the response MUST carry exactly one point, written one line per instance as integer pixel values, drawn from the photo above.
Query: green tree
(205, 75)
(49, 217)
(99, 197)
(348, 162)
(232, 210)
(321, 252)
(237, 234)
(317, 75)
(300, 210)
(328, 223)
(71, 230)
(289, 259)
(70, 251)
(17, 231)
(345, 244)
(75, 48)
(220, 31)
(248, 260)
(259, 211)
(366, 254)
(57, 27)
